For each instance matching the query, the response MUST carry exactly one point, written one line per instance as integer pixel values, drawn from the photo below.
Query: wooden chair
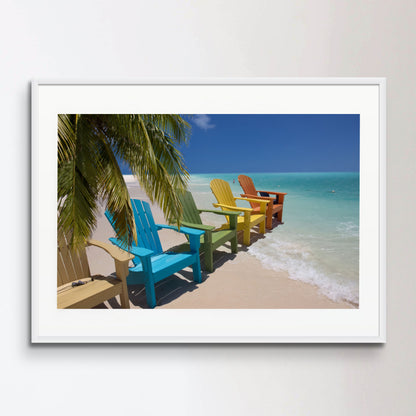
(226, 201)
(276, 204)
(151, 264)
(212, 239)
(73, 268)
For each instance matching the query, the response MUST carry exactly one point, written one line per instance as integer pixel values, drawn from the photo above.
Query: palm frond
(66, 138)
(78, 185)
(114, 190)
(172, 125)
(157, 164)
(88, 149)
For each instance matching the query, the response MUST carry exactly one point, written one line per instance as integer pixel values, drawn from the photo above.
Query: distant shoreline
(258, 172)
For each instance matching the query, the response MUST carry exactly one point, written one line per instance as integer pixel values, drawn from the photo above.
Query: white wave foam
(296, 259)
(348, 229)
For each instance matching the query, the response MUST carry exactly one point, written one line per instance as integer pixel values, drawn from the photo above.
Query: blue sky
(232, 143)
(273, 143)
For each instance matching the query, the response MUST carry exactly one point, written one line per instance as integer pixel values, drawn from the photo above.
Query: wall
(126, 40)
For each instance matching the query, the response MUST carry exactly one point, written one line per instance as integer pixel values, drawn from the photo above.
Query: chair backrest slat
(152, 230)
(142, 226)
(190, 210)
(72, 265)
(248, 187)
(113, 224)
(222, 192)
(147, 235)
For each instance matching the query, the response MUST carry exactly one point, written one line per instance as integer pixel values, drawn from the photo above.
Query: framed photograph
(209, 210)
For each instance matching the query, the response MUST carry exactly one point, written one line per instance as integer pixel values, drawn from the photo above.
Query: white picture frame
(364, 96)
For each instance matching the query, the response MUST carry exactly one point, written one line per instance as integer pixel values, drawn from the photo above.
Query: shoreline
(239, 281)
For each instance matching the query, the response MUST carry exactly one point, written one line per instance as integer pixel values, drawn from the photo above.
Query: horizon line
(238, 173)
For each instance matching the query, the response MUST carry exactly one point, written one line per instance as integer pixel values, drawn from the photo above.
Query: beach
(239, 281)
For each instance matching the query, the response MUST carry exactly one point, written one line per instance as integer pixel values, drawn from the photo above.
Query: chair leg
(263, 226)
(246, 237)
(234, 244)
(269, 215)
(196, 268)
(122, 271)
(208, 260)
(208, 252)
(150, 293)
(124, 297)
(280, 215)
(269, 221)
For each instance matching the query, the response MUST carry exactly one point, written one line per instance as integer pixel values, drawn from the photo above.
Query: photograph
(288, 182)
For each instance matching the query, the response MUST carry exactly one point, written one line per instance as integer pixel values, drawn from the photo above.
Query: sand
(239, 281)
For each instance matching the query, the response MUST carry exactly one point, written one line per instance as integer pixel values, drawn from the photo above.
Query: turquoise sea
(319, 240)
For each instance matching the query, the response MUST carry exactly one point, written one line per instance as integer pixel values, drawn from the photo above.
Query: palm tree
(89, 147)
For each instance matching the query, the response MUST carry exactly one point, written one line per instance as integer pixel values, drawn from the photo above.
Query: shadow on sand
(182, 282)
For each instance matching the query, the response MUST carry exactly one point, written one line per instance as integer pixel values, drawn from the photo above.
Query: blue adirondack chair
(151, 264)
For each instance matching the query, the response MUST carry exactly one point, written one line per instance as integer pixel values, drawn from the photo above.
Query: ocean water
(319, 240)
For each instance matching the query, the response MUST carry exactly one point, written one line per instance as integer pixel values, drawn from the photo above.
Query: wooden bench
(73, 267)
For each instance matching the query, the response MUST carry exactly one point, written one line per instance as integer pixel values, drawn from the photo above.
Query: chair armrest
(258, 200)
(237, 209)
(198, 226)
(263, 204)
(274, 193)
(136, 251)
(115, 252)
(266, 198)
(183, 230)
(218, 212)
(194, 235)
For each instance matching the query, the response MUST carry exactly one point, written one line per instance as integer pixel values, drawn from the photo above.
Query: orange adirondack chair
(226, 201)
(275, 207)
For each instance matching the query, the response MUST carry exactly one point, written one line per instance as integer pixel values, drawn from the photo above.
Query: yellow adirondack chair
(226, 201)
